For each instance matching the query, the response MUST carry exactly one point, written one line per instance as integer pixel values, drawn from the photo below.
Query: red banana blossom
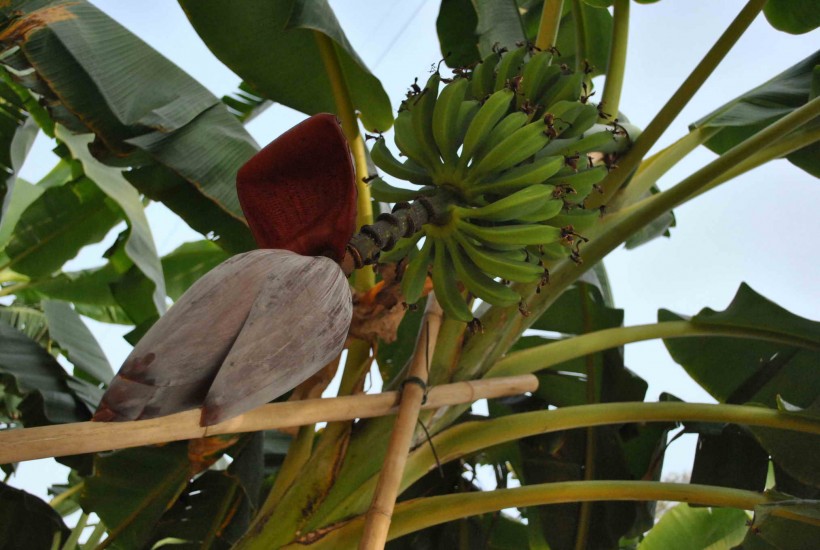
(261, 322)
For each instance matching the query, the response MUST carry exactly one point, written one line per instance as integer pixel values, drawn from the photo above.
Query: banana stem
(542, 357)
(677, 102)
(470, 437)
(616, 66)
(623, 224)
(779, 149)
(653, 168)
(421, 513)
(550, 22)
(364, 280)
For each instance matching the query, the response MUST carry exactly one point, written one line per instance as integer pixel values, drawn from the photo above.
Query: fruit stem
(548, 27)
(676, 103)
(405, 220)
(778, 149)
(364, 280)
(616, 66)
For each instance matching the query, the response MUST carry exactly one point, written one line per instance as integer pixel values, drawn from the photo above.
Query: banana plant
(512, 175)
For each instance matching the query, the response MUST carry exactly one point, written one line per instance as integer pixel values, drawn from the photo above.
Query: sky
(760, 229)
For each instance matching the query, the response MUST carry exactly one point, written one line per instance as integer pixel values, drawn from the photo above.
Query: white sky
(762, 228)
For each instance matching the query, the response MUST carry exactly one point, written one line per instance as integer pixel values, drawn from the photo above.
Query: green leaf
(784, 525)
(215, 509)
(567, 316)
(762, 371)
(749, 113)
(22, 195)
(246, 104)
(730, 457)
(189, 262)
(456, 27)
(139, 242)
(631, 451)
(271, 46)
(499, 25)
(597, 37)
(28, 522)
(28, 320)
(132, 488)
(659, 227)
(684, 527)
(740, 371)
(28, 371)
(60, 222)
(162, 184)
(89, 290)
(792, 16)
(145, 111)
(791, 451)
(68, 330)
(17, 133)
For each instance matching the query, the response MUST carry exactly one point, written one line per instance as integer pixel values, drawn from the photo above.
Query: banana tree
(513, 175)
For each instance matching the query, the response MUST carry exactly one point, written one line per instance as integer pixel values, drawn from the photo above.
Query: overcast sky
(761, 228)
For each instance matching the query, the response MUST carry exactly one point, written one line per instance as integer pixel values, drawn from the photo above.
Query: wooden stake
(88, 437)
(377, 520)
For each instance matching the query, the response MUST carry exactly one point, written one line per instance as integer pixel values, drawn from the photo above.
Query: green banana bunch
(512, 149)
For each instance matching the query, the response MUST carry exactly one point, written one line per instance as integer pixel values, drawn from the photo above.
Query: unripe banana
(383, 191)
(385, 160)
(581, 183)
(539, 75)
(512, 234)
(483, 78)
(509, 66)
(421, 114)
(512, 207)
(522, 144)
(467, 111)
(567, 88)
(584, 118)
(581, 220)
(477, 282)
(445, 119)
(623, 135)
(590, 142)
(408, 143)
(510, 265)
(445, 285)
(504, 129)
(537, 171)
(484, 121)
(554, 251)
(415, 274)
(549, 210)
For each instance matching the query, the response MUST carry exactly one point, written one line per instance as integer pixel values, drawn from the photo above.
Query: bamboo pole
(377, 520)
(88, 437)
